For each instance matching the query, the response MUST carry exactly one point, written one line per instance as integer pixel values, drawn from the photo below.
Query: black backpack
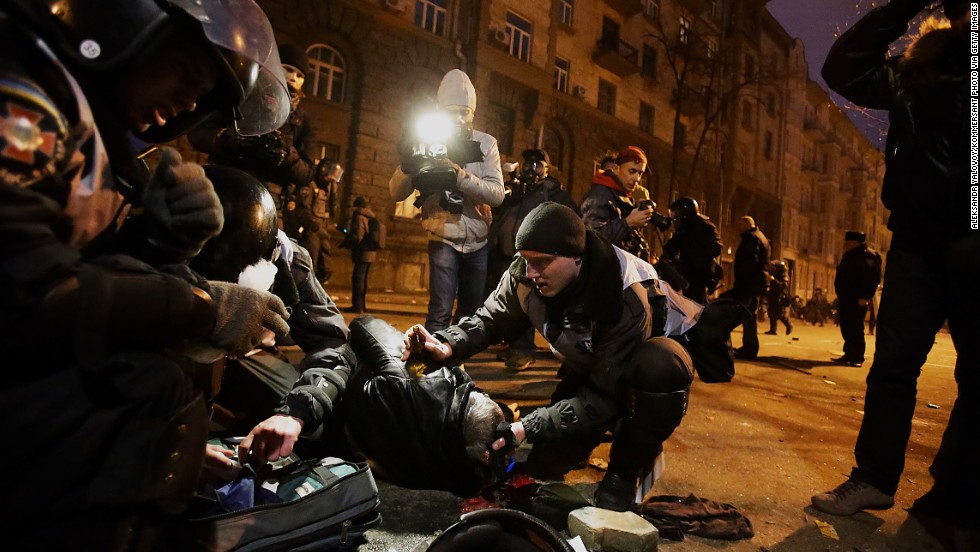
(376, 236)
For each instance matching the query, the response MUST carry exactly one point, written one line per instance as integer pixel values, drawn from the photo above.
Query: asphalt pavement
(781, 431)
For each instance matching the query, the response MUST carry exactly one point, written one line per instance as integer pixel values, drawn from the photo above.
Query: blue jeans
(924, 287)
(452, 273)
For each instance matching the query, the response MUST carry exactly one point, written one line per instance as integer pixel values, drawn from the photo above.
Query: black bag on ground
(709, 342)
(551, 502)
(319, 505)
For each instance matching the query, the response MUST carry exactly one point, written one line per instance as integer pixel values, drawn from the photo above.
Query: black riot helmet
(536, 164)
(118, 35)
(250, 231)
(684, 208)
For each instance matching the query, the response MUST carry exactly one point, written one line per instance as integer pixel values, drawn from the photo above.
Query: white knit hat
(456, 89)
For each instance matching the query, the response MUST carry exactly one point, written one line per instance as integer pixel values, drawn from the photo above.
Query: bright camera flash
(434, 128)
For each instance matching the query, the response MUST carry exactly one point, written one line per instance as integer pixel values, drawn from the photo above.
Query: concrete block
(608, 531)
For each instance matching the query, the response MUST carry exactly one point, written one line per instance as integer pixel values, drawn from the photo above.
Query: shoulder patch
(33, 133)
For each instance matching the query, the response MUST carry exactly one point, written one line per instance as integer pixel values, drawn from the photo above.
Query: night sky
(817, 24)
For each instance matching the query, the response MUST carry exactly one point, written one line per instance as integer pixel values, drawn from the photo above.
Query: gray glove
(243, 316)
(182, 209)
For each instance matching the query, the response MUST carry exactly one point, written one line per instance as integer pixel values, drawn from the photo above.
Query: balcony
(628, 8)
(813, 128)
(811, 166)
(617, 56)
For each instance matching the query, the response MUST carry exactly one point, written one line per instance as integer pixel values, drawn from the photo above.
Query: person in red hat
(610, 207)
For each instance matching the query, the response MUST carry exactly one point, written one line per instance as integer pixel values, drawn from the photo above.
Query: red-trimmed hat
(634, 154)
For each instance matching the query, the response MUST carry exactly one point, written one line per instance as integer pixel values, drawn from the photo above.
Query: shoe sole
(875, 507)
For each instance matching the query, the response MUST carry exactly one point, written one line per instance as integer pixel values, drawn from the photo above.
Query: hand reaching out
(419, 341)
(271, 440)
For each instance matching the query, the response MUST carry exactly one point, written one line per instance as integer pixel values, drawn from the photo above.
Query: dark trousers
(359, 285)
(852, 328)
(662, 375)
(750, 324)
(923, 287)
(662, 372)
(778, 313)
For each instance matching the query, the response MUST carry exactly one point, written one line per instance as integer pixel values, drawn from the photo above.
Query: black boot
(616, 492)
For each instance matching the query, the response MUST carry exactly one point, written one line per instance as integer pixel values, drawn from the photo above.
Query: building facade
(715, 91)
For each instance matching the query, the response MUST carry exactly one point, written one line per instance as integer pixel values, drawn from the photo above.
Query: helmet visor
(241, 27)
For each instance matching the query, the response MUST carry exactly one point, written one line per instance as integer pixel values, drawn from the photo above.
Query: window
(607, 97)
(610, 35)
(746, 115)
(553, 143)
(711, 48)
(684, 30)
(562, 67)
(647, 115)
(767, 145)
(519, 33)
(329, 73)
(770, 101)
(648, 65)
(565, 12)
(431, 15)
(651, 9)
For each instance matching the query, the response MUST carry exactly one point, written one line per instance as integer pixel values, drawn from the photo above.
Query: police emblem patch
(23, 137)
(32, 134)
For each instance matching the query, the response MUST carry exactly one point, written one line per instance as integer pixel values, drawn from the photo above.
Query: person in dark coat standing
(751, 281)
(933, 259)
(857, 279)
(532, 186)
(362, 254)
(693, 248)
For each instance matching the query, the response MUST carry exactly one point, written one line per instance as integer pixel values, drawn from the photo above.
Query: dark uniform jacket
(508, 217)
(60, 203)
(858, 275)
(926, 183)
(616, 303)
(751, 260)
(694, 246)
(83, 326)
(605, 208)
(778, 296)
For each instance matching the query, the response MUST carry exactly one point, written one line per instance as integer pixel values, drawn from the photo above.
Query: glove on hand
(244, 316)
(410, 162)
(182, 208)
